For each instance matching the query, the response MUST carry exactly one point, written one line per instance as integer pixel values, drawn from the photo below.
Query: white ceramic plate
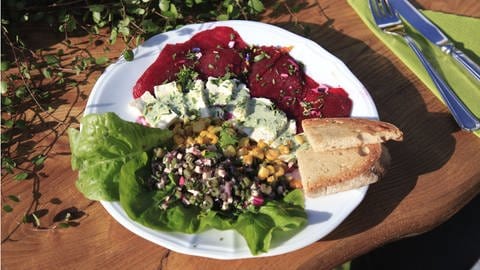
(113, 91)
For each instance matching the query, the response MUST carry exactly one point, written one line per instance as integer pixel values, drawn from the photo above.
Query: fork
(387, 19)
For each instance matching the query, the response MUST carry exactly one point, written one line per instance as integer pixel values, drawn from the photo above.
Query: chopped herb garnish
(186, 78)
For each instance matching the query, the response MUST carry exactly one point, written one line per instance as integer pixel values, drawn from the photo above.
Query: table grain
(435, 171)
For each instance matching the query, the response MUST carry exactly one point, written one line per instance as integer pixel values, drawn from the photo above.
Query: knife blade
(434, 35)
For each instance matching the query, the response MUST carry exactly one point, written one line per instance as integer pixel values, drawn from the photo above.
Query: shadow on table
(428, 143)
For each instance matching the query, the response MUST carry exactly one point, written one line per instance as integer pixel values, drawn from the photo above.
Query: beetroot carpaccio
(268, 71)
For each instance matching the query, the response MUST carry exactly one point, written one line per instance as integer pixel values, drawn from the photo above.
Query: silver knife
(434, 35)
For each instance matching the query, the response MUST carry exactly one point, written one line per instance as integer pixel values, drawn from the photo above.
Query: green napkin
(463, 32)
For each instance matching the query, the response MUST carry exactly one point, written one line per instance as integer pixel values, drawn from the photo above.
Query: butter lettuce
(103, 146)
(113, 157)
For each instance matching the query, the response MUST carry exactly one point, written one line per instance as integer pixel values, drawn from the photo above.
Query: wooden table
(434, 173)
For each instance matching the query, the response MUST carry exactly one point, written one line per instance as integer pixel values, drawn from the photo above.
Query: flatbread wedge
(325, 134)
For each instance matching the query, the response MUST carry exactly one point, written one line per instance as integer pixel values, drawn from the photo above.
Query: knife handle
(466, 62)
(465, 119)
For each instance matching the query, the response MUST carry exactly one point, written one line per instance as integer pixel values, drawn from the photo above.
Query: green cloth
(464, 32)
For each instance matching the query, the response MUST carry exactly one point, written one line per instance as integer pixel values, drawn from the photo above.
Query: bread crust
(325, 134)
(329, 172)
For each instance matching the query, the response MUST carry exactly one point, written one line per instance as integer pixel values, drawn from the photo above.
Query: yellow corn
(263, 173)
(213, 138)
(271, 169)
(299, 138)
(272, 154)
(284, 149)
(189, 141)
(258, 153)
(247, 159)
(203, 133)
(210, 128)
(262, 144)
(200, 140)
(271, 178)
(279, 171)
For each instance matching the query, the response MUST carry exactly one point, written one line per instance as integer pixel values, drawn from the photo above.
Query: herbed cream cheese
(228, 99)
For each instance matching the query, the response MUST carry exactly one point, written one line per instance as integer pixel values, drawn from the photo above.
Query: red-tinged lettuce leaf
(101, 148)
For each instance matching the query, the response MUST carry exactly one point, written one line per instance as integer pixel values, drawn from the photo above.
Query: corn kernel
(200, 140)
(263, 173)
(299, 138)
(262, 144)
(272, 154)
(258, 153)
(271, 169)
(203, 133)
(271, 178)
(295, 183)
(189, 141)
(213, 138)
(247, 159)
(210, 128)
(279, 171)
(284, 149)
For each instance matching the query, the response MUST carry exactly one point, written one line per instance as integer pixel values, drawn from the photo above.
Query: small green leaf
(113, 35)
(6, 101)
(20, 124)
(14, 198)
(3, 87)
(7, 208)
(5, 138)
(96, 16)
(128, 55)
(20, 92)
(4, 65)
(46, 73)
(256, 5)
(51, 59)
(222, 17)
(96, 8)
(164, 5)
(101, 60)
(39, 160)
(149, 26)
(21, 176)
(8, 123)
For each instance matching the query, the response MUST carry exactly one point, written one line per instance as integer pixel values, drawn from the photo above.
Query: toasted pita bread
(325, 134)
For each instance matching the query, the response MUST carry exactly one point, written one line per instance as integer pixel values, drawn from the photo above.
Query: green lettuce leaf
(103, 146)
(257, 230)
